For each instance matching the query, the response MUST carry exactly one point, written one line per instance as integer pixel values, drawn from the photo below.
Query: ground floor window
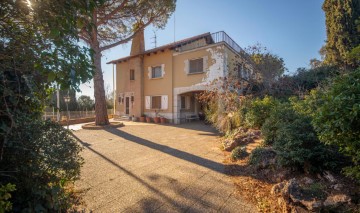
(183, 102)
(155, 102)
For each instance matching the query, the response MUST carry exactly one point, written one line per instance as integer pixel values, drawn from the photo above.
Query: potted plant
(148, 119)
(134, 119)
(156, 118)
(142, 118)
(163, 120)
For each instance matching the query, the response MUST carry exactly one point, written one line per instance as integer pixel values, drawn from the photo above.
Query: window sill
(195, 73)
(156, 78)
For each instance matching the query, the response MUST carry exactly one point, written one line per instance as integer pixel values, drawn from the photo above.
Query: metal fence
(223, 37)
(72, 114)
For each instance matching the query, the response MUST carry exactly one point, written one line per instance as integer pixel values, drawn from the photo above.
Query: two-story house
(166, 79)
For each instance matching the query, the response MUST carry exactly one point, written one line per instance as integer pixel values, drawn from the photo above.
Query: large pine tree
(115, 22)
(342, 34)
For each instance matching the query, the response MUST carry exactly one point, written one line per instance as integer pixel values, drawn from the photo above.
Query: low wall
(80, 120)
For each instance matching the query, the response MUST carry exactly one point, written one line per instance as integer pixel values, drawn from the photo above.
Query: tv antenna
(154, 39)
(174, 27)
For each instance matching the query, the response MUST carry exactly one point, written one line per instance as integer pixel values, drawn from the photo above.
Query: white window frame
(197, 71)
(204, 68)
(164, 102)
(153, 72)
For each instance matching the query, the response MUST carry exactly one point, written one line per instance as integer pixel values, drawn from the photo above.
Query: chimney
(138, 43)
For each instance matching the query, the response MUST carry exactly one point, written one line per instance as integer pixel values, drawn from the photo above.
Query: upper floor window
(132, 74)
(196, 65)
(156, 72)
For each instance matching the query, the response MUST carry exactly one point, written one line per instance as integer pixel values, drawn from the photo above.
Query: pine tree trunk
(99, 91)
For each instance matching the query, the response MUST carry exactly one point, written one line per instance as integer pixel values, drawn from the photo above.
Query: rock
(284, 204)
(328, 176)
(336, 200)
(338, 187)
(277, 188)
(246, 139)
(298, 209)
(293, 192)
(307, 180)
(254, 134)
(229, 144)
(280, 175)
(312, 205)
(289, 188)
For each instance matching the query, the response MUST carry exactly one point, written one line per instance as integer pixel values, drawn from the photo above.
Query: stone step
(121, 118)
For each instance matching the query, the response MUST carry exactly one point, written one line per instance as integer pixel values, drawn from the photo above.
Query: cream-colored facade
(164, 81)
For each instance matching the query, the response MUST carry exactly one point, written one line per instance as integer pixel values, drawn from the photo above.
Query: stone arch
(177, 105)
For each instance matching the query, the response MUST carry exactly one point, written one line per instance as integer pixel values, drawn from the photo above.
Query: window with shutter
(156, 72)
(155, 102)
(164, 102)
(196, 65)
(147, 102)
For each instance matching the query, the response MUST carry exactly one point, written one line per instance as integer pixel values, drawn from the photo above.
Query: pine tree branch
(123, 41)
(112, 13)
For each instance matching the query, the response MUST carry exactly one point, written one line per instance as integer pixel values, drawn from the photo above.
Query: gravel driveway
(156, 168)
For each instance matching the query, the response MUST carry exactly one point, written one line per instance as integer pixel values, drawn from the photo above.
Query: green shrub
(45, 157)
(337, 121)
(295, 141)
(238, 153)
(278, 115)
(5, 204)
(258, 111)
(261, 154)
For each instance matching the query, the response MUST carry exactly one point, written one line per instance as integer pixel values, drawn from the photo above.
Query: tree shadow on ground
(151, 203)
(215, 166)
(207, 129)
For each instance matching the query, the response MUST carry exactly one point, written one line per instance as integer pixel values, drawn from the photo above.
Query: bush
(238, 153)
(225, 121)
(5, 204)
(295, 141)
(337, 121)
(260, 155)
(281, 113)
(259, 111)
(45, 158)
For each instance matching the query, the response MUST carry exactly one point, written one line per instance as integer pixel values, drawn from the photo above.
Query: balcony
(209, 39)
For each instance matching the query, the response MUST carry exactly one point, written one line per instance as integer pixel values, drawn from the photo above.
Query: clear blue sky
(292, 29)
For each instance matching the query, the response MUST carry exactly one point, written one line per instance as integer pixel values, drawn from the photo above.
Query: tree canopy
(268, 65)
(85, 102)
(342, 32)
(38, 50)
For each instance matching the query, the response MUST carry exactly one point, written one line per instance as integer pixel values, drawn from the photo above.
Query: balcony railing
(221, 36)
(213, 38)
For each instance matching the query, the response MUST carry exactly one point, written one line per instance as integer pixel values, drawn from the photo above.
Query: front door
(127, 105)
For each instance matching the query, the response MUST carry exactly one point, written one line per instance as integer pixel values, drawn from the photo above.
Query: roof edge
(163, 47)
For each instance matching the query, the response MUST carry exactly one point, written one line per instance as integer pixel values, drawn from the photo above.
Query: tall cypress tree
(341, 29)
